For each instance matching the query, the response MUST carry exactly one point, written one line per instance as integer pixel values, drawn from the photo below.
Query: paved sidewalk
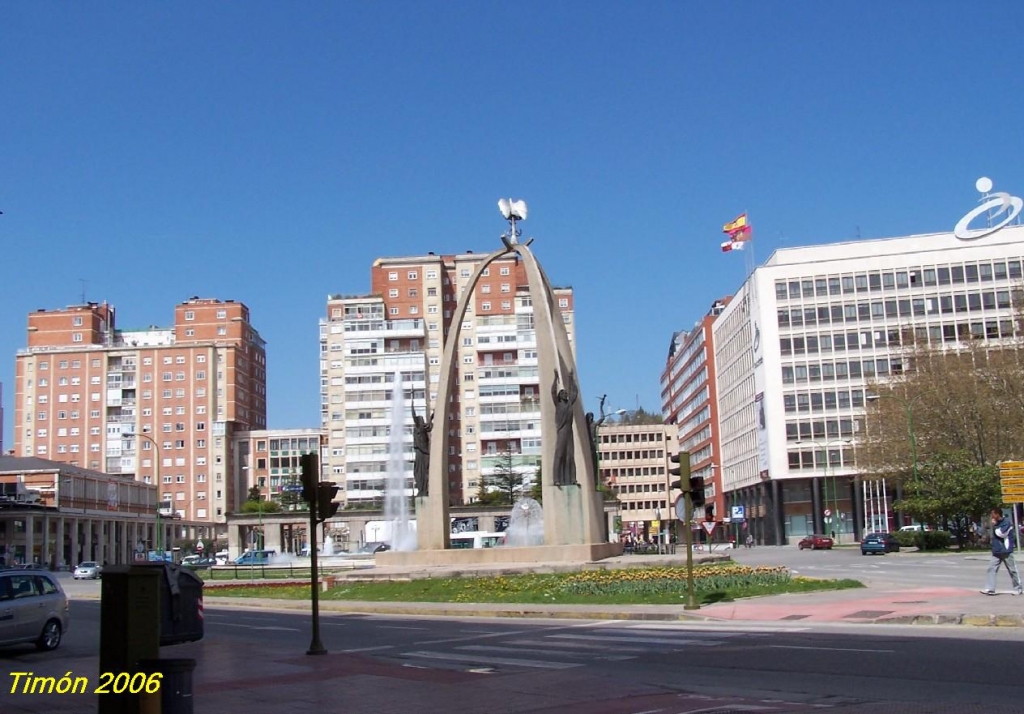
(913, 606)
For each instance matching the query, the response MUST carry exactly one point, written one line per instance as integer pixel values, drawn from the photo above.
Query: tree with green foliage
(254, 494)
(640, 417)
(261, 507)
(290, 500)
(953, 491)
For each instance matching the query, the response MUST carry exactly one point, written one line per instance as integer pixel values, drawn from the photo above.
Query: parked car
(879, 543)
(88, 570)
(816, 542)
(373, 547)
(33, 609)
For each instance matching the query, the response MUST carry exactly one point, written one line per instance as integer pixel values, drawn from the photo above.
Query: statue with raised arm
(421, 445)
(564, 466)
(592, 427)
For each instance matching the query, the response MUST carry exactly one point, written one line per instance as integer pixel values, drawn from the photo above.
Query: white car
(88, 570)
(33, 609)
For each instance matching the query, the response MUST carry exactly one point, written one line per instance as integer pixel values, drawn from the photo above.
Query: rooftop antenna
(84, 282)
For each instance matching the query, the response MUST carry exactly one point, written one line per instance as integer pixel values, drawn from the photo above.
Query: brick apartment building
(160, 403)
(400, 328)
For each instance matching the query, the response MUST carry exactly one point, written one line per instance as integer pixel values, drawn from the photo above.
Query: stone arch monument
(574, 520)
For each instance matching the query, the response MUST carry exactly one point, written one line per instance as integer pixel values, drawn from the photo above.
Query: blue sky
(268, 152)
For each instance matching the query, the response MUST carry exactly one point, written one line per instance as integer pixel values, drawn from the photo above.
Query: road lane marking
(510, 661)
(828, 649)
(611, 639)
(511, 633)
(577, 645)
(369, 649)
(541, 651)
(251, 627)
(399, 627)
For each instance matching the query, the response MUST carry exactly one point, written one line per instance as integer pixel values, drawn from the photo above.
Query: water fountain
(328, 548)
(396, 502)
(525, 524)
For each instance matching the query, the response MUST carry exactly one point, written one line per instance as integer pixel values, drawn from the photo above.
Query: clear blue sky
(268, 152)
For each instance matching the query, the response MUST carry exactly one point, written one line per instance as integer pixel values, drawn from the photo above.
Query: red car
(816, 542)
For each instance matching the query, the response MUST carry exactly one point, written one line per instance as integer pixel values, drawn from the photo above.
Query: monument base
(584, 553)
(563, 515)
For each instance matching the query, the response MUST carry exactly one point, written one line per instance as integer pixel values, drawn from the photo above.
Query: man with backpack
(1002, 553)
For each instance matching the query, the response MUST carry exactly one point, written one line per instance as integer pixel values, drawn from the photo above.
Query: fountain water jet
(525, 524)
(396, 501)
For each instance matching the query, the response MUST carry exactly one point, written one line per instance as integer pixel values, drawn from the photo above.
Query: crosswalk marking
(713, 628)
(646, 640)
(589, 646)
(477, 659)
(540, 651)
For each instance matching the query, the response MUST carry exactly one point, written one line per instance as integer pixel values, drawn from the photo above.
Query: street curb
(968, 620)
(527, 611)
(419, 610)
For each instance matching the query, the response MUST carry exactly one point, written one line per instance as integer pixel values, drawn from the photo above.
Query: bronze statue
(592, 436)
(421, 444)
(564, 467)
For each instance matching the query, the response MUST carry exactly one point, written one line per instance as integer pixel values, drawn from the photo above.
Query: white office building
(808, 331)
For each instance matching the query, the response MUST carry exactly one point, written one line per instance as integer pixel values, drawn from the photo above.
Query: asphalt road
(903, 569)
(905, 669)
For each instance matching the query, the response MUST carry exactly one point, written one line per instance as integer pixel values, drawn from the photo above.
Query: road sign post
(1011, 481)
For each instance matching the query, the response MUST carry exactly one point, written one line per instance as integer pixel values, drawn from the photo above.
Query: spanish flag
(741, 234)
(739, 224)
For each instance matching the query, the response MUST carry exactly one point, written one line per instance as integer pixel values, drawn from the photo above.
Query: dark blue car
(879, 543)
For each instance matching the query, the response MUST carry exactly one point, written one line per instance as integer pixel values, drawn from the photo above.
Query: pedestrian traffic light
(709, 513)
(682, 470)
(697, 491)
(325, 505)
(310, 474)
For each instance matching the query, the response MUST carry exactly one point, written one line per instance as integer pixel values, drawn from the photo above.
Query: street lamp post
(156, 478)
(835, 490)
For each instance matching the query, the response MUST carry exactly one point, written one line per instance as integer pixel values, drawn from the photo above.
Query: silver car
(33, 608)
(88, 570)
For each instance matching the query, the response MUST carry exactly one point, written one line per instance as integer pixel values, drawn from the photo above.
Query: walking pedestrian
(1002, 553)
(750, 541)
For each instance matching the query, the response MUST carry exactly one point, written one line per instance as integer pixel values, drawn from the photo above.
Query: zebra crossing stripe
(527, 650)
(477, 659)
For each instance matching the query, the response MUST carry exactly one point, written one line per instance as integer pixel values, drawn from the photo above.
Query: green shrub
(907, 539)
(933, 540)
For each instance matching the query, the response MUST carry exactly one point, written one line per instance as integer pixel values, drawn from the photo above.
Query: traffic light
(682, 470)
(697, 491)
(325, 505)
(709, 513)
(310, 465)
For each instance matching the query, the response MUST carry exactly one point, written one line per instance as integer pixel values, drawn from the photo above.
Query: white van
(477, 539)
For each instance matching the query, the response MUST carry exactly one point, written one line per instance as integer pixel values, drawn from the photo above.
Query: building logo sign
(993, 205)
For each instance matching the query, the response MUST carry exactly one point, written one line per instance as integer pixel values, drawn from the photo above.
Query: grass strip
(634, 586)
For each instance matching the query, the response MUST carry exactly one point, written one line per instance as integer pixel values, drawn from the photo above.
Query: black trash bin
(181, 605)
(176, 684)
